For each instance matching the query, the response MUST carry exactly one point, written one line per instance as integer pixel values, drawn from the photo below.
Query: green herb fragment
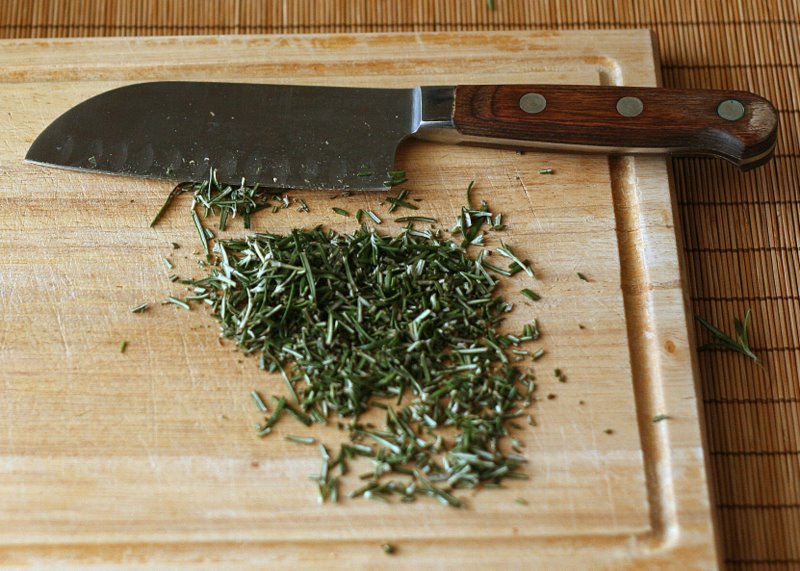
(416, 219)
(583, 277)
(259, 401)
(303, 206)
(531, 295)
(300, 439)
(546, 171)
(364, 170)
(397, 202)
(175, 245)
(741, 344)
(395, 178)
(521, 501)
(200, 231)
(388, 548)
(373, 216)
(122, 346)
(178, 302)
(274, 417)
(609, 431)
(359, 214)
(660, 417)
(140, 308)
(167, 263)
(504, 250)
(340, 211)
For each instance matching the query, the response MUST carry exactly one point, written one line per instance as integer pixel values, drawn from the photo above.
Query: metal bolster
(435, 108)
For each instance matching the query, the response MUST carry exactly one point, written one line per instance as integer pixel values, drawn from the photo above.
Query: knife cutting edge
(289, 136)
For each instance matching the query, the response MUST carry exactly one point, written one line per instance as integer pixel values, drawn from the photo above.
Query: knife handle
(737, 126)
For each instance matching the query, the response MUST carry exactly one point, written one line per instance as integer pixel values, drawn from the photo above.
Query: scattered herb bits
(141, 308)
(300, 439)
(395, 178)
(531, 295)
(259, 401)
(740, 344)
(179, 302)
(427, 219)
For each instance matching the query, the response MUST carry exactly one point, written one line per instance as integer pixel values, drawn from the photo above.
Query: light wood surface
(148, 458)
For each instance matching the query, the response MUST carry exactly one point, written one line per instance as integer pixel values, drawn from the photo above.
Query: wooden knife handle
(738, 126)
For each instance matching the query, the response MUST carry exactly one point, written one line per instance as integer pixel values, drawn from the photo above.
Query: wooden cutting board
(148, 458)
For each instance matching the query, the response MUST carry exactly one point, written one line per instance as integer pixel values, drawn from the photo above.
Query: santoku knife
(286, 136)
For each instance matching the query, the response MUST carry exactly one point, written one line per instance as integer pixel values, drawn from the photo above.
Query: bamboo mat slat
(741, 231)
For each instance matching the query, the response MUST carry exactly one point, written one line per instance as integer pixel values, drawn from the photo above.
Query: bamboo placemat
(741, 231)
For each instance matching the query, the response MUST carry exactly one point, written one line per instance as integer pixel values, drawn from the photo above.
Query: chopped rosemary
(741, 344)
(395, 178)
(546, 171)
(259, 401)
(388, 548)
(397, 201)
(122, 346)
(300, 439)
(178, 302)
(140, 308)
(355, 321)
(408, 324)
(531, 295)
(469, 194)
(661, 417)
(416, 219)
(504, 250)
(583, 277)
(340, 211)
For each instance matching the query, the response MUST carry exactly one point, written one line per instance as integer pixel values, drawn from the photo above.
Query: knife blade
(292, 136)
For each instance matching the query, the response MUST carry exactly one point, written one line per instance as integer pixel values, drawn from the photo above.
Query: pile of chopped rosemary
(354, 322)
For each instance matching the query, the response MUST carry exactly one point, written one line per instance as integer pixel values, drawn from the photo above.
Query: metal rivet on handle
(731, 109)
(533, 103)
(630, 106)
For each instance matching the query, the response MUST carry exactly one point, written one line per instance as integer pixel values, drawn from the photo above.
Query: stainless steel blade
(279, 136)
